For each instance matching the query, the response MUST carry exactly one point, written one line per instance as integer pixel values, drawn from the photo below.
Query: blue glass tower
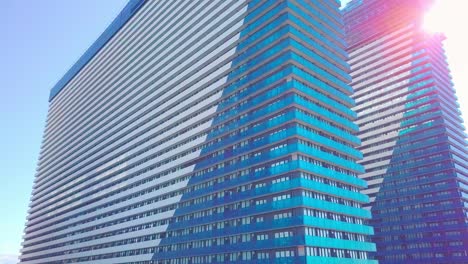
(413, 140)
(231, 139)
(289, 190)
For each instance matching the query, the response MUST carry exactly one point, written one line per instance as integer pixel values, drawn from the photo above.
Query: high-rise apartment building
(413, 140)
(204, 132)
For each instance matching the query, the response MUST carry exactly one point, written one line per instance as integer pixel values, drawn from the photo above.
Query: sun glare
(435, 19)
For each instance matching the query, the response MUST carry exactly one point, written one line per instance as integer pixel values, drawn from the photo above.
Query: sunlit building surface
(204, 132)
(413, 140)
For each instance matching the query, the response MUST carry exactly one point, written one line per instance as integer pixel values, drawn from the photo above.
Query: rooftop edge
(127, 12)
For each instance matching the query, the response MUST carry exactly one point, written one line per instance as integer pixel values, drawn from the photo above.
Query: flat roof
(127, 12)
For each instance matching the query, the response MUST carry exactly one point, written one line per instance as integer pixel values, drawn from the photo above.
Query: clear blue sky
(40, 41)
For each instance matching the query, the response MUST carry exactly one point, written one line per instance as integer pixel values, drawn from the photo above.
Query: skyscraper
(413, 140)
(204, 132)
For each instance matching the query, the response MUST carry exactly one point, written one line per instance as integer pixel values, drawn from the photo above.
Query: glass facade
(205, 132)
(413, 140)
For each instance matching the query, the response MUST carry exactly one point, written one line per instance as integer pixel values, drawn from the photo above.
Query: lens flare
(435, 19)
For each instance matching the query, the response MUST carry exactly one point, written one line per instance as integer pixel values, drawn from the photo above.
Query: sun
(436, 19)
